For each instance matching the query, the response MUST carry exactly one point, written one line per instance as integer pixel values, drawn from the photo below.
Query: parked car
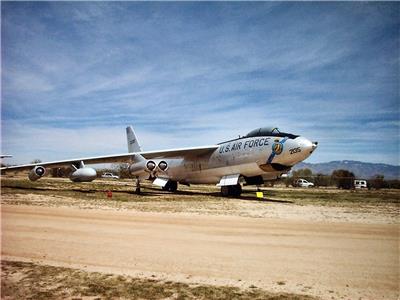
(109, 175)
(360, 184)
(303, 183)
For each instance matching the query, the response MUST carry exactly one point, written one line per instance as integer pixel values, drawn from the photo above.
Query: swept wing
(121, 158)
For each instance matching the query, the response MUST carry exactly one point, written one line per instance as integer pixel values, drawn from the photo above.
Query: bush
(377, 182)
(322, 180)
(344, 179)
(392, 184)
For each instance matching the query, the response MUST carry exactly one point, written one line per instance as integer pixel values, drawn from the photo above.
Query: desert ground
(67, 240)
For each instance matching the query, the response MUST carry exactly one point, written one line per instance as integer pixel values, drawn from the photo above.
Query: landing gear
(231, 190)
(137, 190)
(171, 186)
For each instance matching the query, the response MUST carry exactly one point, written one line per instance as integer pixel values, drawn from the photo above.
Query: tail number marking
(294, 150)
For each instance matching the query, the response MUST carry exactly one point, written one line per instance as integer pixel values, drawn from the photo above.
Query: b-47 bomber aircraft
(263, 154)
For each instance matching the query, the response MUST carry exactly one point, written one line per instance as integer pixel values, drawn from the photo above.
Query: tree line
(341, 178)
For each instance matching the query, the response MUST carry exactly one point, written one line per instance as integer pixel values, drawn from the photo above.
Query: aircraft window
(270, 131)
(275, 130)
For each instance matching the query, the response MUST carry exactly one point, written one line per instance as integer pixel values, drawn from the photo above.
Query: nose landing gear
(137, 190)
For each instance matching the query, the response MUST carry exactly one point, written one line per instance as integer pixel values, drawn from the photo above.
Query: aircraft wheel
(173, 186)
(236, 190)
(225, 191)
(231, 190)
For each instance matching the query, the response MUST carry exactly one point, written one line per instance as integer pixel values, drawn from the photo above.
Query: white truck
(303, 183)
(109, 175)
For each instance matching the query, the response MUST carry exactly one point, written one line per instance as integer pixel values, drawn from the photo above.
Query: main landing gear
(171, 186)
(231, 190)
(137, 190)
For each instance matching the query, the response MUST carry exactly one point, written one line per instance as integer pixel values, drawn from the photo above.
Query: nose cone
(306, 146)
(295, 151)
(314, 146)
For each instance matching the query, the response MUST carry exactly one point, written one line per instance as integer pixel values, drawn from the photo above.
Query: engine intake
(36, 173)
(163, 165)
(151, 165)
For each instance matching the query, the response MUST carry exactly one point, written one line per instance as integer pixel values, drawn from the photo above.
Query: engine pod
(83, 175)
(137, 168)
(162, 165)
(151, 165)
(36, 173)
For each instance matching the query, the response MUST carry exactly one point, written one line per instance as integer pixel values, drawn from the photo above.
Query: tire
(171, 186)
(225, 191)
(236, 190)
(231, 190)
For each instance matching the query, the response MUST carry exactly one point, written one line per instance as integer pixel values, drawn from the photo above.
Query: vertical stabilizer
(133, 144)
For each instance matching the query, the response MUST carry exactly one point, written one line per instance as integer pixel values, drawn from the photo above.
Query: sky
(75, 74)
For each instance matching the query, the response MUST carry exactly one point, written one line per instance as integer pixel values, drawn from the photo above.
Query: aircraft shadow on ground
(156, 192)
(212, 194)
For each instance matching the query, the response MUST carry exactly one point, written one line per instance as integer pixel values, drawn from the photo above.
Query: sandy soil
(332, 260)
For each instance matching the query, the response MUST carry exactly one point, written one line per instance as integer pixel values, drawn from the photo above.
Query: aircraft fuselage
(248, 157)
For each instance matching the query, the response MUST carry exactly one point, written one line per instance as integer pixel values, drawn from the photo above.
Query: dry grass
(123, 191)
(335, 197)
(21, 280)
(381, 206)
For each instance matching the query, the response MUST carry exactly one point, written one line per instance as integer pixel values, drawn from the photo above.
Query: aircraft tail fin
(133, 144)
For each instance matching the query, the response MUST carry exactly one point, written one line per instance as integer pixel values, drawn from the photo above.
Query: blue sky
(74, 74)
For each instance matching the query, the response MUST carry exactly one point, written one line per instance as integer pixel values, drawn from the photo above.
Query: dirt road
(330, 260)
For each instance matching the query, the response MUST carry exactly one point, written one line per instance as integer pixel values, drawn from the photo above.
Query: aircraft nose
(295, 151)
(314, 146)
(306, 146)
(302, 149)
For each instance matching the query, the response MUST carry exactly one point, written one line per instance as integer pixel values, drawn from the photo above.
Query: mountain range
(360, 169)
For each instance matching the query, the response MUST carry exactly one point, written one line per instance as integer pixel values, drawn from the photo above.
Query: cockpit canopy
(270, 131)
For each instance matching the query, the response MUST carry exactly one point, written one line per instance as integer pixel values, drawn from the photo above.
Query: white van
(360, 184)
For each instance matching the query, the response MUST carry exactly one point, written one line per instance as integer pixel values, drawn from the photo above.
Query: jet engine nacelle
(36, 173)
(137, 169)
(153, 167)
(162, 165)
(156, 165)
(150, 166)
(85, 174)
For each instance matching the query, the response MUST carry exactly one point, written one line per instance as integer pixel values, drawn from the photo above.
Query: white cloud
(197, 73)
(28, 82)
